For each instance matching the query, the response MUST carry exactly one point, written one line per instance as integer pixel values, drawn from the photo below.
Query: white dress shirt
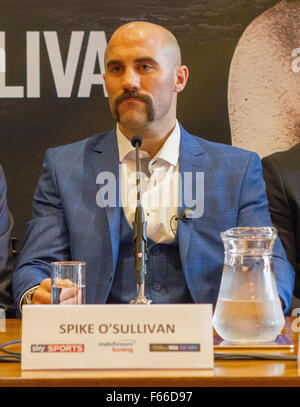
(159, 185)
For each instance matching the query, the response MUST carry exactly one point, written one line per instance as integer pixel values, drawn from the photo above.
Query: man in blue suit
(83, 207)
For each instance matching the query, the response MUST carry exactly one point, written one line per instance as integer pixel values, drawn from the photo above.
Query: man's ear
(182, 74)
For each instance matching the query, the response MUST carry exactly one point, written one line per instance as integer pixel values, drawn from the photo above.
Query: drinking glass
(68, 282)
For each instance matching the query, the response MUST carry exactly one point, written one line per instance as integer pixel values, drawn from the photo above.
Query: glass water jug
(248, 308)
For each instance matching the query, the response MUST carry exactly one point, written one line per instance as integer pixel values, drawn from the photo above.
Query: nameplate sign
(117, 336)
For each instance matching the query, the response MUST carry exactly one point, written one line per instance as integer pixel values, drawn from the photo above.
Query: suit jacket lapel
(105, 161)
(190, 163)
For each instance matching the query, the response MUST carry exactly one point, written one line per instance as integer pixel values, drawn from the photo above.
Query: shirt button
(155, 251)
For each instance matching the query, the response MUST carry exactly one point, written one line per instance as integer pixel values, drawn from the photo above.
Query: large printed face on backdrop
(264, 82)
(143, 76)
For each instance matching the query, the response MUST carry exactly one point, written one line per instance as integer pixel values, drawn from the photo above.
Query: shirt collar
(168, 152)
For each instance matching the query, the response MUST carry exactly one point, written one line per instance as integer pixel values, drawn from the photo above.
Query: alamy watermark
(295, 65)
(296, 322)
(2, 60)
(189, 190)
(2, 320)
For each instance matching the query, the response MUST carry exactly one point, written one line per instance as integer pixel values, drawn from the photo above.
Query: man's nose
(131, 80)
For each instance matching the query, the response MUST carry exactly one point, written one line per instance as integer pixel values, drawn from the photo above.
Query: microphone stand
(139, 234)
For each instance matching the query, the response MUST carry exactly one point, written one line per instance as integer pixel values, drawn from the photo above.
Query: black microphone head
(137, 139)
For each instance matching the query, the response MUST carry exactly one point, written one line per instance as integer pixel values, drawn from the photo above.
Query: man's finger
(43, 293)
(68, 293)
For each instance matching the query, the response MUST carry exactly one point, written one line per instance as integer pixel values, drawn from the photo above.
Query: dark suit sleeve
(254, 212)
(6, 261)
(282, 213)
(5, 226)
(46, 238)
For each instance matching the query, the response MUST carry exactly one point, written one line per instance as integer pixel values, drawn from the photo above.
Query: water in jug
(248, 309)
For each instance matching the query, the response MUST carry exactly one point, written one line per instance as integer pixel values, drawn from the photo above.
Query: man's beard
(136, 95)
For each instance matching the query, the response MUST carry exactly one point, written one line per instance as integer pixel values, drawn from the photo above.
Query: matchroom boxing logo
(56, 348)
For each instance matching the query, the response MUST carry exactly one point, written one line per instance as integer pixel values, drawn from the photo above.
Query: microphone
(186, 216)
(136, 140)
(139, 232)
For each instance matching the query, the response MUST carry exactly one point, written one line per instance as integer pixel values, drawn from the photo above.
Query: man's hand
(43, 293)
(69, 295)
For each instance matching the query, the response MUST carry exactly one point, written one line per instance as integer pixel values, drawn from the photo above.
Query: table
(226, 373)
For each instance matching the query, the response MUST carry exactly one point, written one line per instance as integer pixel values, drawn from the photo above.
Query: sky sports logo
(55, 348)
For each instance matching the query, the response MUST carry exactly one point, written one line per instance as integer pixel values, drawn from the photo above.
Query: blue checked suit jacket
(67, 223)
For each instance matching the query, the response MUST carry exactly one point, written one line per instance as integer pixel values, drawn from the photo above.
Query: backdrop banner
(51, 66)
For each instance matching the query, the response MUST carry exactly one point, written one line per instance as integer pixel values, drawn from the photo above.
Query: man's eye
(145, 67)
(115, 69)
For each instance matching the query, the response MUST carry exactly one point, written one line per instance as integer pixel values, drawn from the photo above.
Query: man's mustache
(135, 95)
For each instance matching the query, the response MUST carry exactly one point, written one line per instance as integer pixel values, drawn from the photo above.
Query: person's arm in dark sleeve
(254, 211)
(6, 223)
(282, 214)
(6, 260)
